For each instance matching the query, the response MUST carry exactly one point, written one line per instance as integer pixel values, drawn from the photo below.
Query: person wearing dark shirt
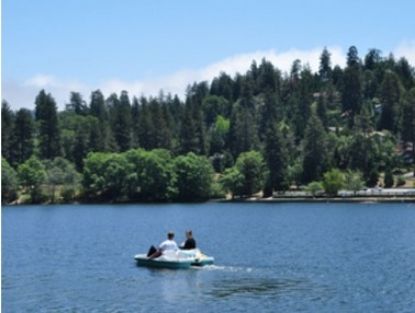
(190, 242)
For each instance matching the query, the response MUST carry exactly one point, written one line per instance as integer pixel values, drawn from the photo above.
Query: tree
(372, 59)
(302, 101)
(81, 144)
(408, 116)
(105, 140)
(32, 175)
(243, 129)
(135, 118)
(194, 177)
(315, 150)
(352, 92)
(405, 73)
(408, 120)
(213, 106)
(325, 66)
(232, 181)
(322, 110)
(120, 110)
(80, 135)
(9, 183)
(353, 57)
(268, 78)
(47, 118)
(354, 181)
(23, 136)
(218, 135)
(7, 120)
(188, 142)
(373, 175)
(104, 176)
(152, 176)
(161, 135)
(315, 188)
(276, 158)
(223, 86)
(145, 129)
(333, 181)
(390, 98)
(192, 131)
(269, 112)
(388, 181)
(61, 172)
(253, 169)
(77, 104)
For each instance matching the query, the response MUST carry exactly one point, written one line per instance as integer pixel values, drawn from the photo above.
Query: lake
(270, 257)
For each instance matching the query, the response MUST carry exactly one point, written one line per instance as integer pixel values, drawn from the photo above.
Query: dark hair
(170, 235)
(189, 232)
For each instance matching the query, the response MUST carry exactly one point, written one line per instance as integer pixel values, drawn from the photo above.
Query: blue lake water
(269, 257)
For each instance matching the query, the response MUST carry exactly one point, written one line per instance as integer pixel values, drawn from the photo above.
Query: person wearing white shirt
(167, 245)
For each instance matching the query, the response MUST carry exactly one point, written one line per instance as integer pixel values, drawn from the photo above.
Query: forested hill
(262, 130)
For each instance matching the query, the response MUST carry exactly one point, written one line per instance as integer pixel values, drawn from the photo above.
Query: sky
(143, 46)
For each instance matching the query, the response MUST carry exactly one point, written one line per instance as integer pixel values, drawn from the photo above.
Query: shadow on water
(260, 286)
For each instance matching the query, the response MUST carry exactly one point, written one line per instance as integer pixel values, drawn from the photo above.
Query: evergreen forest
(263, 132)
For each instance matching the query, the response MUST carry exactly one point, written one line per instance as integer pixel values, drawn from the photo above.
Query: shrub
(9, 184)
(314, 188)
(354, 181)
(333, 182)
(388, 179)
(400, 181)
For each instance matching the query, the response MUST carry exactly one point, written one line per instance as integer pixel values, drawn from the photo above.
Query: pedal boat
(181, 259)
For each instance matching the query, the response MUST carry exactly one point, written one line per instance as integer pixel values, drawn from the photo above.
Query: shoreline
(250, 200)
(323, 200)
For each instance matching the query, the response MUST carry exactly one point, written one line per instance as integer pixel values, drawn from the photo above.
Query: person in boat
(166, 245)
(190, 242)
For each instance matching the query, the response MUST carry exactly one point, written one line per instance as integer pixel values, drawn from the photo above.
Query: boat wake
(213, 267)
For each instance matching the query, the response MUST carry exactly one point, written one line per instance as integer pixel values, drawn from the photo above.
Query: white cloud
(406, 49)
(176, 83)
(23, 94)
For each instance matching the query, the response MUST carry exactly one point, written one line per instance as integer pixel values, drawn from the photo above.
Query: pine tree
(243, 130)
(47, 118)
(161, 134)
(372, 59)
(145, 126)
(97, 106)
(135, 118)
(77, 104)
(325, 66)
(7, 120)
(322, 110)
(408, 120)
(188, 141)
(390, 97)
(120, 110)
(81, 147)
(269, 112)
(315, 150)
(302, 100)
(276, 158)
(388, 178)
(98, 109)
(23, 139)
(405, 73)
(353, 57)
(267, 80)
(352, 92)
(223, 86)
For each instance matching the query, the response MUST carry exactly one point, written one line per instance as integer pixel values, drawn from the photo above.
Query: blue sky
(142, 46)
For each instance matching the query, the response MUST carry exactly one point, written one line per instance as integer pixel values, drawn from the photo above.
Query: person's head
(189, 234)
(170, 235)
